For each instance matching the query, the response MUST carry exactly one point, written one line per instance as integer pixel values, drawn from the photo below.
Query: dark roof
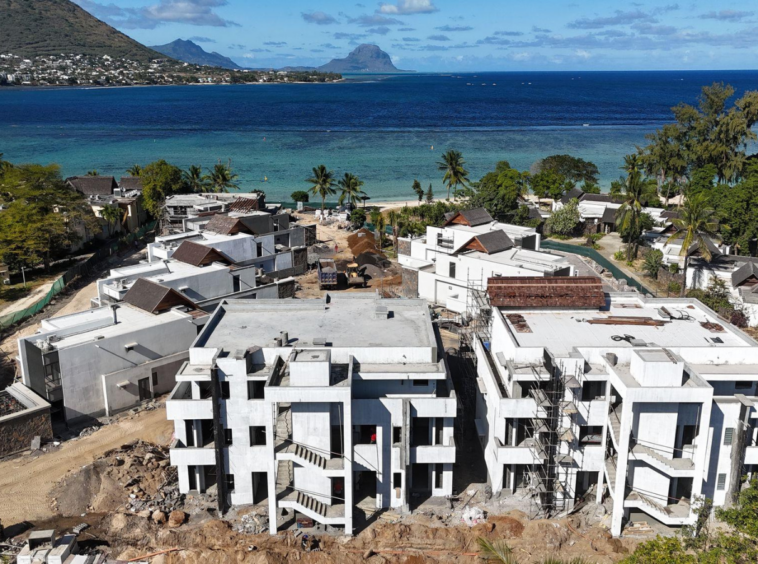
(596, 198)
(534, 213)
(669, 214)
(130, 183)
(551, 292)
(472, 218)
(571, 194)
(155, 298)
(93, 185)
(225, 225)
(199, 255)
(744, 273)
(244, 204)
(491, 242)
(609, 216)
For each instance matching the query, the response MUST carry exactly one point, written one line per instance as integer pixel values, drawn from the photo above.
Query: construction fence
(73, 273)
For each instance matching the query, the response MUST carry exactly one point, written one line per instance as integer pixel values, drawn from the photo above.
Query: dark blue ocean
(388, 130)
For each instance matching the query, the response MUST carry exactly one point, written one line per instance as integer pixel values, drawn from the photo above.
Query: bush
(300, 196)
(675, 287)
(566, 220)
(358, 217)
(619, 256)
(674, 268)
(739, 319)
(653, 262)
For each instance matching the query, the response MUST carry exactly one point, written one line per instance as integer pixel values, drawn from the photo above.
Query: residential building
(23, 416)
(467, 250)
(93, 185)
(131, 213)
(650, 401)
(316, 405)
(598, 211)
(739, 275)
(182, 206)
(101, 361)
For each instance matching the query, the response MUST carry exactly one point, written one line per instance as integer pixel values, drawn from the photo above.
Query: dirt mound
(359, 237)
(134, 477)
(367, 246)
(374, 259)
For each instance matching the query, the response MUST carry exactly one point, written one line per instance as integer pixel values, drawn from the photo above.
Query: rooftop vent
(319, 342)
(381, 312)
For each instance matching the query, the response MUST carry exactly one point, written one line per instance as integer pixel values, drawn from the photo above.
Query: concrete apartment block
(470, 248)
(652, 400)
(316, 405)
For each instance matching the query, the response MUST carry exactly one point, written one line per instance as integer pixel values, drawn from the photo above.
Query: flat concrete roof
(562, 330)
(516, 230)
(517, 257)
(347, 321)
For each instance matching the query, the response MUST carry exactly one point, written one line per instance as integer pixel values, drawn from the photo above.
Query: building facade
(315, 405)
(650, 401)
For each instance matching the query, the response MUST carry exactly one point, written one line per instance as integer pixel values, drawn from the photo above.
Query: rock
(176, 518)
(145, 514)
(159, 517)
(118, 523)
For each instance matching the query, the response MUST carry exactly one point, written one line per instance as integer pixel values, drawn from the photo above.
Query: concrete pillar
(270, 410)
(348, 464)
(621, 465)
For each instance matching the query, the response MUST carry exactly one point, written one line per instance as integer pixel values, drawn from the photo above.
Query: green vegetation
(452, 164)
(653, 263)
(134, 170)
(499, 551)
(111, 215)
(323, 184)
(358, 218)
(566, 220)
(429, 194)
(418, 190)
(737, 543)
(300, 196)
(221, 178)
(42, 218)
(573, 169)
(196, 181)
(499, 191)
(717, 297)
(350, 189)
(636, 192)
(52, 27)
(160, 180)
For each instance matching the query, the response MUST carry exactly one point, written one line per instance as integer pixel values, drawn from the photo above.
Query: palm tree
(111, 214)
(628, 216)
(322, 181)
(455, 174)
(92, 173)
(380, 225)
(429, 194)
(350, 189)
(393, 218)
(499, 551)
(694, 226)
(134, 170)
(194, 178)
(416, 187)
(222, 178)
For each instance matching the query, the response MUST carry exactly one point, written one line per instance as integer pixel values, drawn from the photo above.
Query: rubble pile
(252, 523)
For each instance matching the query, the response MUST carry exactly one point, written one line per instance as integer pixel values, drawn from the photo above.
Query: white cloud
(318, 18)
(407, 7)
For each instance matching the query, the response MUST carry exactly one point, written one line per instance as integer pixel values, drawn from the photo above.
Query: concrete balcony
(528, 452)
(523, 408)
(192, 456)
(434, 454)
(181, 406)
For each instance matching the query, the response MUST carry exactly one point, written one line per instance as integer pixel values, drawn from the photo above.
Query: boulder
(159, 517)
(176, 518)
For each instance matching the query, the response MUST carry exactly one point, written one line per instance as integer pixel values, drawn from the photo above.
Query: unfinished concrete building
(649, 400)
(101, 361)
(315, 405)
(441, 266)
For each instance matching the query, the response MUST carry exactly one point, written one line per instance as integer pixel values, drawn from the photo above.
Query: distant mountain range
(189, 52)
(33, 28)
(364, 58)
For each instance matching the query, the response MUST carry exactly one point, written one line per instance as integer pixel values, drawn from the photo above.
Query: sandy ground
(26, 481)
(35, 295)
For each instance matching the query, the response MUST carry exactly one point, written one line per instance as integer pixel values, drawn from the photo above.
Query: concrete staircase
(310, 503)
(284, 475)
(614, 418)
(305, 456)
(655, 458)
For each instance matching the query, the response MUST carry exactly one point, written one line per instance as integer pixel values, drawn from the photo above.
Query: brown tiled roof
(130, 183)
(199, 255)
(93, 185)
(552, 292)
(490, 243)
(595, 198)
(472, 218)
(244, 204)
(225, 225)
(155, 298)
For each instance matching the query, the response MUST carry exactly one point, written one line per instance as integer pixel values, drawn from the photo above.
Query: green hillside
(33, 28)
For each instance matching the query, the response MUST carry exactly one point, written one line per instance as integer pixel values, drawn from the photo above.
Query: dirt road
(26, 482)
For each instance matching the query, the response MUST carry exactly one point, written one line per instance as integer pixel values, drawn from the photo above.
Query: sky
(454, 35)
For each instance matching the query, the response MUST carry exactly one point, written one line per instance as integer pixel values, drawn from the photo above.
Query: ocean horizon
(387, 129)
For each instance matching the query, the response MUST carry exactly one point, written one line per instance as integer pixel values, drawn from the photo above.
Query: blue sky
(455, 35)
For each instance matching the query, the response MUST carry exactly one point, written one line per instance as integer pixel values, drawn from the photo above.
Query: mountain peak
(189, 52)
(364, 58)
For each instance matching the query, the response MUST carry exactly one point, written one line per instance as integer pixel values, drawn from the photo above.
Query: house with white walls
(471, 247)
(739, 275)
(316, 406)
(650, 402)
(101, 361)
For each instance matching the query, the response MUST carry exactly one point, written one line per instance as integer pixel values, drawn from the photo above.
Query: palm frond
(498, 550)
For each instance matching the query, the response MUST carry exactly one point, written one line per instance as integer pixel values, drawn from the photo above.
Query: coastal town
(104, 70)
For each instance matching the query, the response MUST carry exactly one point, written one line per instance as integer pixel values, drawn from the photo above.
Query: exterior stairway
(310, 503)
(305, 456)
(614, 418)
(663, 463)
(284, 475)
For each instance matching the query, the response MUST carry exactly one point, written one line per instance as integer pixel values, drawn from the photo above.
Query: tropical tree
(565, 220)
(393, 218)
(322, 184)
(222, 178)
(429, 194)
(550, 184)
(628, 216)
(160, 180)
(664, 158)
(134, 170)
(574, 169)
(194, 178)
(111, 215)
(380, 224)
(416, 188)
(452, 164)
(92, 173)
(350, 189)
(6, 165)
(499, 191)
(694, 226)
